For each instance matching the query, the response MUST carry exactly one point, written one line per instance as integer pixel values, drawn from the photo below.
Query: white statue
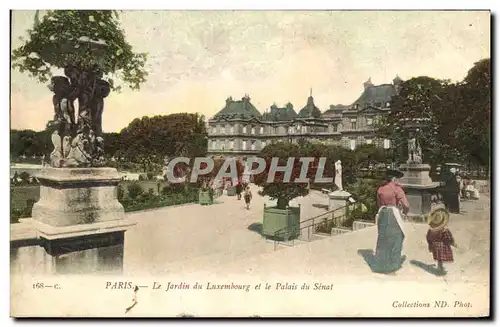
(66, 146)
(414, 151)
(56, 156)
(338, 175)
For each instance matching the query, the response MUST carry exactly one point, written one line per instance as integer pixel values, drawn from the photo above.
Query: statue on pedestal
(414, 150)
(78, 142)
(338, 175)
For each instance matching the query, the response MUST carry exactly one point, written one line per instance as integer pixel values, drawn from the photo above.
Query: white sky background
(199, 58)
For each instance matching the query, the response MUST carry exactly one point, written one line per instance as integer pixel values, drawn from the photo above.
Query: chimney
(397, 81)
(368, 83)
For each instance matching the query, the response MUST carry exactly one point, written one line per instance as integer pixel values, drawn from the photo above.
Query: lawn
(146, 185)
(22, 195)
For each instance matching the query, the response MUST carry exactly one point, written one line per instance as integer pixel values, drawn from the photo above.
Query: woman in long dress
(392, 203)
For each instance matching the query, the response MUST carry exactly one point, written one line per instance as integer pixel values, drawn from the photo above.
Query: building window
(214, 145)
(369, 121)
(231, 130)
(356, 106)
(387, 144)
(231, 144)
(345, 143)
(244, 129)
(369, 141)
(262, 144)
(253, 145)
(388, 104)
(261, 130)
(335, 127)
(352, 145)
(304, 129)
(253, 130)
(290, 130)
(244, 145)
(214, 130)
(353, 124)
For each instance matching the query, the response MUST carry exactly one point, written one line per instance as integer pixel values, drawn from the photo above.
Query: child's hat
(438, 218)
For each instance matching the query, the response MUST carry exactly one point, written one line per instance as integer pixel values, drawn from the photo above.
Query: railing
(311, 226)
(336, 222)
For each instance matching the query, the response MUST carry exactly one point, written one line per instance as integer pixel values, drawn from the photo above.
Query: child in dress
(440, 239)
(248, 197)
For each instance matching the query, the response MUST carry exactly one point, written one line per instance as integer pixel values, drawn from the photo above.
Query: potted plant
(282, 221)
(205, 195)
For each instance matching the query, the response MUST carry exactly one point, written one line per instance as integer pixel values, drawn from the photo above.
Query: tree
(65, 38)
(280, 189)
(348, 160)
(151, 140)
(474, 114)
(426, 99)
(112, 144)
(369, 154)
(91, 49)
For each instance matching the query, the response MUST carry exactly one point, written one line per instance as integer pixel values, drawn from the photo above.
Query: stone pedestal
(79, 221)
(339, 199)
(419, 188)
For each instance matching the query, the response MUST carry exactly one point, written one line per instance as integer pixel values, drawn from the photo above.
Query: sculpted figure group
(77, 139)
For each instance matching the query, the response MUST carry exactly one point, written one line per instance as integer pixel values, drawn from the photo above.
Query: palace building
(239, 129)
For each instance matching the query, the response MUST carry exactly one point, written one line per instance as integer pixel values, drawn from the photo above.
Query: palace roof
(280, 114)
(243, 109)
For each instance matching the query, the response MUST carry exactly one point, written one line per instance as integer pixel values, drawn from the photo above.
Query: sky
(199, 58)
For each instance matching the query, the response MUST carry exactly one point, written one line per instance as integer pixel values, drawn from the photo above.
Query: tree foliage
(144, 142)
(457, 126)
(29, 143)
(87, 39)
(148, 141)
(279, 189)
(419, 98)
(475, 113)
(112, 144)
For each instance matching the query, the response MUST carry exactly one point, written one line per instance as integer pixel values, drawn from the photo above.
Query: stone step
(23, 230)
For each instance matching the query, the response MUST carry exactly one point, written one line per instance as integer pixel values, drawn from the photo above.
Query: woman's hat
(394, 173)
(438, 218)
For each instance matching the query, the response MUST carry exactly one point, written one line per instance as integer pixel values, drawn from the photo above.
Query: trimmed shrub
(134, 190)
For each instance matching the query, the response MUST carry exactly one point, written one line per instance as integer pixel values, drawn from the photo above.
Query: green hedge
(146, 200)
(16, 213)
(158, 201)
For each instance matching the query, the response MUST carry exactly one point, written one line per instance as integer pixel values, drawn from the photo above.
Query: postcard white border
(186, 4)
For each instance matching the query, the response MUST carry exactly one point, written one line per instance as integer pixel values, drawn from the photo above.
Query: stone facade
(239, 129)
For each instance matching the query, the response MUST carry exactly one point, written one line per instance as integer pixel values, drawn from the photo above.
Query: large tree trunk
(282, 203)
